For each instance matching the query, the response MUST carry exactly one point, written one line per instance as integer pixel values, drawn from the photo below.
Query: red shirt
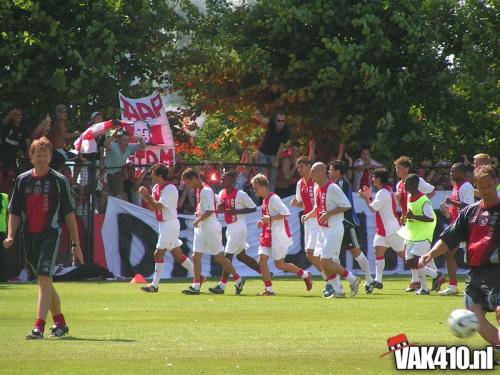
(228, 201)
(321, 202)
(266, 235)
(307, 194)
(379, 224)
(455, 195)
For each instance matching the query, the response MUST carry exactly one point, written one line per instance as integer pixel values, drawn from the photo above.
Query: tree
(81, 53)
(375, 72)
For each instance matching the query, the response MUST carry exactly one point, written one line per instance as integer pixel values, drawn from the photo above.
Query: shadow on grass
(73, 338)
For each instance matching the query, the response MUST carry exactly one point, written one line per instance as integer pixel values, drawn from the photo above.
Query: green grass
(115, 329)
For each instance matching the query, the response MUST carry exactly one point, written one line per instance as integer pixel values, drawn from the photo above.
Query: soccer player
(418, 231)
(483, 159)
(479, 226)
(350, 241)
(403, 166)
(275, 238)
(330, 205)
(207, 232)
(235, 204)
(163, 203)
(304, 198)
(461, 196)
(386, 221)
(40, 200)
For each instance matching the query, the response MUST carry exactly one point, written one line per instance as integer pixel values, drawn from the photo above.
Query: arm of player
(455, 203)
(438, 249)
(153, 204)
(411, 216)
(366, 194)
(13, 224)
(308, 216)
(73, 233)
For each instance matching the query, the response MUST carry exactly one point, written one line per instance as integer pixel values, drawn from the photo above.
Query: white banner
(123, 220)
(149, 122)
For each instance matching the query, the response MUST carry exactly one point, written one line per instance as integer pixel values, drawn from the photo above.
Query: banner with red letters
(148, 121)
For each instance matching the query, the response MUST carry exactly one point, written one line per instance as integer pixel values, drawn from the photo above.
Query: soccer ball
(463, 323)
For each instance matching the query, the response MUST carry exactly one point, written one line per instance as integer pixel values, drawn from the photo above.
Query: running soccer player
(304, 198)
(403, 166)
(235, 204)
(163, 203)
(479, 226)
(461, 196)
(207, 232)
(418, 231)
(41, 199)
(386, 221)
(275, 238)
(350, 241)
(330, 205)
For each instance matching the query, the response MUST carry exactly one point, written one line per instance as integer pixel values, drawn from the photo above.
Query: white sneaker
(452, 290)
(354, 287)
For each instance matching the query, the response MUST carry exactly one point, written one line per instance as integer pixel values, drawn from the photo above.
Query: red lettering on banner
(166, 156)
(157, 105)
(145, 111)
(129, 112)
(151, 157)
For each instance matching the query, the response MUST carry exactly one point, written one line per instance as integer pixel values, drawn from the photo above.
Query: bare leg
(248, 260)
(487, 330)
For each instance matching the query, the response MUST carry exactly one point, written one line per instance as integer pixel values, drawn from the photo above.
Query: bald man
(330, 203)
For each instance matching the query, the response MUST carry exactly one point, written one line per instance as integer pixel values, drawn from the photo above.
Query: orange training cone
(138, 279)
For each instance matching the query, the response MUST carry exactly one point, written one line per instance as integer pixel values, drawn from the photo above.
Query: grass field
(115, 329)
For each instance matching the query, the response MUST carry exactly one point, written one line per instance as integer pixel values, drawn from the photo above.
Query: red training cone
(138, 279)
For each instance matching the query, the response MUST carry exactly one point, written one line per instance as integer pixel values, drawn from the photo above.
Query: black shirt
(42, 202)
(479, 226)
(11, 141)
(350, 216)
(273, 139)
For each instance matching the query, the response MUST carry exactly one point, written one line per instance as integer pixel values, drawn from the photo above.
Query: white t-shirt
(335, 197)
(241, 201)
(466, 193)
(168, 198)
(423, 186)
(428, 210)
(383, 205)
(278, 231)
(207, 203)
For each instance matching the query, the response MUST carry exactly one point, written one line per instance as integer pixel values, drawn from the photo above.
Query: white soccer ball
(463, 323)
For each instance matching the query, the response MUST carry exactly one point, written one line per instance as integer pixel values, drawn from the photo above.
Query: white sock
(379, 265)
(414, 276)
(196, 286)
(157, 275)
(432, 265)
(430, 272)
(304, 275)
(349, 276)
(187, 264)
(337, 286)
(423, 280)
(323, 274)
(365, 266)
(222, 285)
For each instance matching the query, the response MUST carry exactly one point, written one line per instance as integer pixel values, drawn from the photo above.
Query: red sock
(40, 324)
(236, 277)
(453, 282)
(268, 283)
(223, 280)
(183, 258)
(59, 320)
(331, 277)
(380, 257)
(196, 281)
(300, 272)
(345, 274)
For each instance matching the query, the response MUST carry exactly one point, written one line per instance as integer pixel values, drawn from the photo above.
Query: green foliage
(81, 53)
(373, 72)
(214, 139)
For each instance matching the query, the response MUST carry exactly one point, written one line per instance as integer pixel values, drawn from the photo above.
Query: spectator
(288, 176)
(115, 158)
(13, 141)
(59, 135)
(41, 130)
(363, 166)
(277, 134)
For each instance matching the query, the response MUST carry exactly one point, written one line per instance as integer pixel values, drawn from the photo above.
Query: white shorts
(329, 241)
(393, 241)
(276, 252)
(417, 248)
(208, 238)
(168, 237)
(311, 229)
(236, 238)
